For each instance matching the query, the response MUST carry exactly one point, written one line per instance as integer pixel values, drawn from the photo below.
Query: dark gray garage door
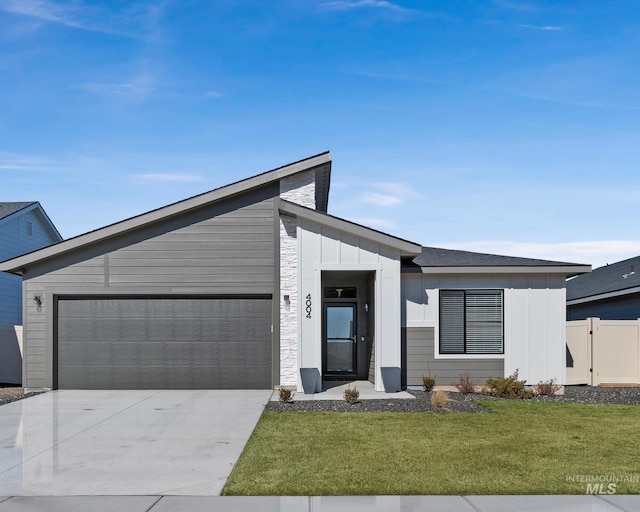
(164, 343)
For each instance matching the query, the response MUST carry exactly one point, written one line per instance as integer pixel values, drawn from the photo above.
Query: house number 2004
(308, 304)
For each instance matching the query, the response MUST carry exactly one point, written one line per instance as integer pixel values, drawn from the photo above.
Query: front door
(340, 334)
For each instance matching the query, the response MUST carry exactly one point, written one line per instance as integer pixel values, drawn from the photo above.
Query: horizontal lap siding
(227, 248)
(420, 359)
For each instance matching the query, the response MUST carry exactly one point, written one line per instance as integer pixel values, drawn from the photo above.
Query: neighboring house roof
(7, 209)
(321, 163)
(12, 209)
(621, 278)
(434, 259)
(406, 248)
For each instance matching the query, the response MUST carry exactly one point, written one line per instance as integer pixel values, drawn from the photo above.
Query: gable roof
(434, 259)
(321, 163)
(618, 278)
(7, 209)
(11, 209)
(406, 247)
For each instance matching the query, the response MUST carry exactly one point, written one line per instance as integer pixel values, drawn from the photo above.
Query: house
(255, 285)
(611, 292)
(24, 227)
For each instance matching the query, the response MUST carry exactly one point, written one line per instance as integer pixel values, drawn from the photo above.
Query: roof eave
(407, 248)
(568, 271)
(605, 295)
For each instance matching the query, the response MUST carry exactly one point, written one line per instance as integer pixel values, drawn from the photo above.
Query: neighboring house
(254, 285)
(24, 227)
(611, 292)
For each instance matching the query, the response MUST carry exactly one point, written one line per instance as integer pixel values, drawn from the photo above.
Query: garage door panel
(164, 343)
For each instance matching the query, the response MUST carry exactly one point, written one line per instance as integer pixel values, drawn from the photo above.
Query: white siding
(534, 317)
(323, 248)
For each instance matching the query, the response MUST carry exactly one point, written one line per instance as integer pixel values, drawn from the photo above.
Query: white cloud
(388, 194)
(596, 253)
(213, 94)
(377, 199)
(139, 87)
(542, 27)
(373, 222)
(134, 20)
(170, 177)
(344, 5)
(17, 162)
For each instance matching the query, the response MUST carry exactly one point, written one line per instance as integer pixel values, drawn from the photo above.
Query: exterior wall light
(37, 299)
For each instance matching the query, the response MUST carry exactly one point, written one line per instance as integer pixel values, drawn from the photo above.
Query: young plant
(465, 384)
(428, 382)
(440, 399)
(285, 395)
(509, 387)
(351, 395)
(546, 388)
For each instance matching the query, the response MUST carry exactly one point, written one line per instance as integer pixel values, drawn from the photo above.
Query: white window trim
(436, 333)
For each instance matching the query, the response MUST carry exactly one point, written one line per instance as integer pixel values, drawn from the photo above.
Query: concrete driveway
(66, 443)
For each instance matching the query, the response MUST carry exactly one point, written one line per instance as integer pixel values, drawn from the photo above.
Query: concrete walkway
(323, 504)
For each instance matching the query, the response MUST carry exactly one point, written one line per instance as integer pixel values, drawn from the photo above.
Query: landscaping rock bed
(11, 394)
(459, 402)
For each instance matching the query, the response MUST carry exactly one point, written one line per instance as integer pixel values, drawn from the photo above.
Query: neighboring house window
(471, 322)
(29, 228)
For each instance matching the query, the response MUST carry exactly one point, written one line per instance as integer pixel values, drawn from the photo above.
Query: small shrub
(285, 395)
(546, 388)
(509, 387)
(465, 385)
(351, 395)
(440, 399)
(428, 382)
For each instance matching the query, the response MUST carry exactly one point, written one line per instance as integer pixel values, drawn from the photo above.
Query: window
(471, 322)
(29, 228)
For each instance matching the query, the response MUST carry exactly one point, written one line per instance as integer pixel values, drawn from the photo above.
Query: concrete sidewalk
(614, 503)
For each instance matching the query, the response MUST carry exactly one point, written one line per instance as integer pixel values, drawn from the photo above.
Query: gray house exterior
(611, 292)
(24, 227)
(254, 285)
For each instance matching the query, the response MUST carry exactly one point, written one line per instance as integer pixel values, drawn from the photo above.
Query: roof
(406, 247)
(7, 209)
(434, 259)
(321, 163)
(618, 278)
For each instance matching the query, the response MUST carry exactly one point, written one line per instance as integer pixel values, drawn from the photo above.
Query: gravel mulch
(12, 394)
(459, 402)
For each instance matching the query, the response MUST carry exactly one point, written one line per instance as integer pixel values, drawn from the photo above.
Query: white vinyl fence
(603, 352)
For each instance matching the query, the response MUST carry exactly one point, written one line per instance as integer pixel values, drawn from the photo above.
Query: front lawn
(523, 448)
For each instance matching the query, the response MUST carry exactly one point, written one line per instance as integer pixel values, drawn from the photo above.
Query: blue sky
(501, 126)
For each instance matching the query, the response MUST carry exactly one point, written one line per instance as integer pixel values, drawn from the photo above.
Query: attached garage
(163, 342)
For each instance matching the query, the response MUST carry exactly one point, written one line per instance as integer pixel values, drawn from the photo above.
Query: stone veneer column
(299, 189)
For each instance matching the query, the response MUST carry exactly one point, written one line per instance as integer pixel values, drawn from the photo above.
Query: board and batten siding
(323, 248)
(227, 248)
(420, 361)
(534, 319)
(14, 241)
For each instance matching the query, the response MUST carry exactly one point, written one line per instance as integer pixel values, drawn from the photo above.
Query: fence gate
(603, 352)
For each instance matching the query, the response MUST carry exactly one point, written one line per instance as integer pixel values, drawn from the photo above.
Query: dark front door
(340, 334)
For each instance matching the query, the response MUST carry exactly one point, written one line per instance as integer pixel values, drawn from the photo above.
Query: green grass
(524, 448)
